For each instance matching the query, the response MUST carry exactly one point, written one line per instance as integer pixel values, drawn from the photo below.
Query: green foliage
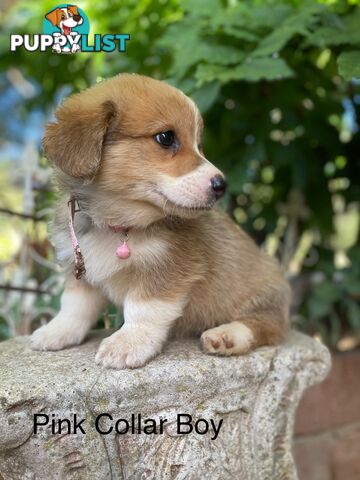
(248, 39)
(274, 80)
(349, 64)
(334, 302)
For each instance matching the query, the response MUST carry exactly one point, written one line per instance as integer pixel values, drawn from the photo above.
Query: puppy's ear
(75, 141)
(52, 16)
(73, 9)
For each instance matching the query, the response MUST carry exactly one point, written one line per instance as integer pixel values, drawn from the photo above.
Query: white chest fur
(98, 247)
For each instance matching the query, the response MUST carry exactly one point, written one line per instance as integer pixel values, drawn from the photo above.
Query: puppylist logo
(66, 30)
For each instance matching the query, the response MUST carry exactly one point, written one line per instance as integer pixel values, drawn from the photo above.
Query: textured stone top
(180, 373)
(256, 396)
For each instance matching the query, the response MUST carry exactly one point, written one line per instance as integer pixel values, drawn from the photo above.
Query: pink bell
(123, 251)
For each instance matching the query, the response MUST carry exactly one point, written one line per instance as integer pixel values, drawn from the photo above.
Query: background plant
(277, 84)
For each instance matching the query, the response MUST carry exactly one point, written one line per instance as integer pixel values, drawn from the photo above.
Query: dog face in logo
(65, 18)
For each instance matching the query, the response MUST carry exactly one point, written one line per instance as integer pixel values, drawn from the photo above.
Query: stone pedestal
(255, 396)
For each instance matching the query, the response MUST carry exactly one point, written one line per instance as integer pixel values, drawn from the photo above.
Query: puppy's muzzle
(218, 186)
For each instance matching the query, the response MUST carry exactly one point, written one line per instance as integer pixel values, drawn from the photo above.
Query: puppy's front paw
(124, 349)
(75, 48)
(233, 338)
(56, 48)
(56, 335)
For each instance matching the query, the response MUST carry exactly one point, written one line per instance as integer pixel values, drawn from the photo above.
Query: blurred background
(278, 83)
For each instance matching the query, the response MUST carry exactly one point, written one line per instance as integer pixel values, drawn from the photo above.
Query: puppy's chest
(101, 262)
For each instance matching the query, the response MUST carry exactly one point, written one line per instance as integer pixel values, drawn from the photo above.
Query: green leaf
(237, 176)
(352, 285)
(349, 64)
(298, 23)
(240, 33)
(353, 311)
(324, 296)
(252, 70)
(206, 95)
(189, 32)
(260, 17)
(317, 308)
(327, 292)
(201, 7)
(336, 31)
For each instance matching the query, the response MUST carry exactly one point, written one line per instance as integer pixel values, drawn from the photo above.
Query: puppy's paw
(233, 338)
(56, 48)
(56, 335)
(75, 48)
(124, 349)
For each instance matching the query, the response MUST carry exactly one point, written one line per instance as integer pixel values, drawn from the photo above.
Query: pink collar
(80, 269)
(122, 251)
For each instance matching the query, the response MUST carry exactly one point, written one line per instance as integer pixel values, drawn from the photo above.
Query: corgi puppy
(129, 152)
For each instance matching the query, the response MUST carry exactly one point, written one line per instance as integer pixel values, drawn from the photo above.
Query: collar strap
(119, 229)
(79, 271)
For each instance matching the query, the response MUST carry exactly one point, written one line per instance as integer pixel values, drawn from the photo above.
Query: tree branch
(21, 215)
(24, 289)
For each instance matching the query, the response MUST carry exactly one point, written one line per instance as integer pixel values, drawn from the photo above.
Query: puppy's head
(135, 144)
(66, 18)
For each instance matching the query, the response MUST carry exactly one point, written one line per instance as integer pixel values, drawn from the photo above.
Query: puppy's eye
(165, 139)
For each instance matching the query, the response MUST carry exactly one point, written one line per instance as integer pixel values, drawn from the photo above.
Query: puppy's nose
(77, 18)
(218, 185)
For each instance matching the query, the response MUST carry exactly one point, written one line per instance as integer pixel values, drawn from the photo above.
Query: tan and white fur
(192, 270)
